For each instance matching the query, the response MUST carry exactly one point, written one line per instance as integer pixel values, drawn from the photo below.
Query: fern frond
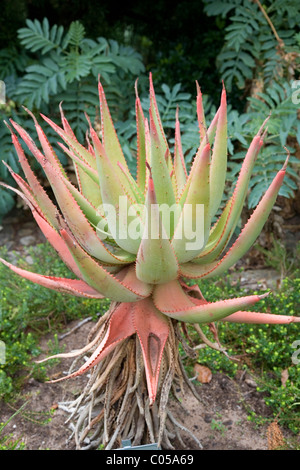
(286, 8)
(40, 82)
(75, 66)
(75, 35)
(40, 37)
(12, 62)
(220, 7)
(125, 57)
(244, 23)
(277, 100)
(269, 161)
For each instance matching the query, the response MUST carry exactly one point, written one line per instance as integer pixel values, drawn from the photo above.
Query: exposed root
(114, 404)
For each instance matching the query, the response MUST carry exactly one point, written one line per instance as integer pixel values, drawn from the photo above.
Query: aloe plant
(138, 242)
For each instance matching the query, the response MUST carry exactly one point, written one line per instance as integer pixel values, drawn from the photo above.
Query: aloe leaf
(208, 139)
(88, 182)
(109, 135)
(67, 128)
(138, 195)
(88, 187)
(156, 261)
(121, 209)
(180, 172)
(192, 230)
(90, 156)
(120, 169)
(124, 288)
(260, 318)
(72, 143)
(49, 232)
(69, 286)
(47, 148)
(210, 132)
(224, 228)
(110, 140)
(120, 327)
(73, 214)
(246, 238)
(152, 329)
(94, 215)
(162, 141)
(159, 167)
(25, 190)
(93, 175)
(141, 143)
(178, 305)
(218, 166)
(89, 238)
(40, 195)
(200, 114)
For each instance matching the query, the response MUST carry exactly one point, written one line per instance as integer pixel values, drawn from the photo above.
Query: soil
(220, 421)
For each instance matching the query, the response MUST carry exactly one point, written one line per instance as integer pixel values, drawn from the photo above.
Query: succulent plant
(137, 241)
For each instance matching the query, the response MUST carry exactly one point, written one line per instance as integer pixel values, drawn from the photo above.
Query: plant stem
(280, 41)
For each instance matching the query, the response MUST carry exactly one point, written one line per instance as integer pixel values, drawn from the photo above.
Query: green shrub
(253, 48)
(266, 351)
(53, 65)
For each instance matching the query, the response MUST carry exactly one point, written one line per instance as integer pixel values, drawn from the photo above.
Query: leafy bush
(257, 39)
(55, 65)
(261, 55)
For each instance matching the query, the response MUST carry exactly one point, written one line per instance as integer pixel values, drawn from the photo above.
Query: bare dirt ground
(219, 421)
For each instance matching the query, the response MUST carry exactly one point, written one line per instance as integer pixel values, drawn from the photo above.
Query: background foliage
(56, 57)
(29, 311)
(57, 65)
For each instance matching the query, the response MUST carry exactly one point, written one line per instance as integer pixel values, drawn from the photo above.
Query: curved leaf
(125, 287)
(178, 305)
(69, 286)
(246, 238)
(156, 261)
